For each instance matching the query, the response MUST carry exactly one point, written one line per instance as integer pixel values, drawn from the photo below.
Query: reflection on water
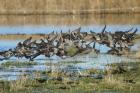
(85, 62)
(91, 60)
(7, 44)
(69, 19)
(33, 24)
(41, 29)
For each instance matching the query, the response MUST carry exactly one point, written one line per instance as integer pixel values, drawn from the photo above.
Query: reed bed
(60, 20)
(68, 6)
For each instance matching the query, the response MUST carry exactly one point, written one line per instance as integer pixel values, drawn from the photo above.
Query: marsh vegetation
(120, 78)
(100, 73)
(68, 7)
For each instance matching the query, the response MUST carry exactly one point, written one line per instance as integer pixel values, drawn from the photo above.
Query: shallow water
(87, 62)
(47, 24)
(45, 29)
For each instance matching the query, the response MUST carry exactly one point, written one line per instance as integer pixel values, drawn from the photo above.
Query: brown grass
(68, 6)
(68, 19)
(20, 36)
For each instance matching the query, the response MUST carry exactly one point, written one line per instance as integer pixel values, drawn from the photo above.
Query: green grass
(113, 82)
(17, 64)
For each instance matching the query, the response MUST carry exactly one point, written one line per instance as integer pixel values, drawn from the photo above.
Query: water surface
(36, 24)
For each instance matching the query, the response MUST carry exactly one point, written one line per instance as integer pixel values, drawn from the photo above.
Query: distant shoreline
(68, 7)
(72, 12)
(21, 36)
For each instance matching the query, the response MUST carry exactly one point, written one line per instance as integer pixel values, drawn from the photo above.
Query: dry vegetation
(20, 36)
(39, 8)
(68, 19)
(60, 83)
(68, 6)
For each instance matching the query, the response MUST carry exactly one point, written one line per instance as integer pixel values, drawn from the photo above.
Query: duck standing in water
(72, 43)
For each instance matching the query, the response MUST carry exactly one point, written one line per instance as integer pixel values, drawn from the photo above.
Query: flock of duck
(72, 43)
